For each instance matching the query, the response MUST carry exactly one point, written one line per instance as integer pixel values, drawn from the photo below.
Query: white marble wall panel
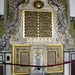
(73, 56)
(1, 58)
(8, 67)
(1, 7)
(72, 5)
(66, 66)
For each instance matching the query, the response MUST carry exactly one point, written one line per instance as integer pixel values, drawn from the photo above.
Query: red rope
(37, 65)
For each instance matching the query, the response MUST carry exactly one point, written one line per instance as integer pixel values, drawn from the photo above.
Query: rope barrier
(37, 65)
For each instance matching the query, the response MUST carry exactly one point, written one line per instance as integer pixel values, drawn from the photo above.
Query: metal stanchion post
(43, 71)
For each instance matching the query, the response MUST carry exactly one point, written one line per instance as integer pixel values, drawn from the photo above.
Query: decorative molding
(54, 56)
(40, 40)
(62, 27)
(19, 53)
(12, 27)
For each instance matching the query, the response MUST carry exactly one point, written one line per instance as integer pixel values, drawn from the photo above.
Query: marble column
(5, 11)
(68, 11)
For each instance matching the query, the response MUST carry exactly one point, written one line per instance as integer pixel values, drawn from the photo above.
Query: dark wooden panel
(1, 70)
(73, 67)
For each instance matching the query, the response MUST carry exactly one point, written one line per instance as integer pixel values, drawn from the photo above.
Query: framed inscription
(51, 57)
(24, 58)
(21, 56)
(38, 24)
(54, 56)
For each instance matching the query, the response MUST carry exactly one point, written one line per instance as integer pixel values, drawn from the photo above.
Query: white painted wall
(66, 66)
(72, 8)
(1, 7)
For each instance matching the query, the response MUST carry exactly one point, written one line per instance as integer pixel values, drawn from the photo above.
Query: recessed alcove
(8, 58)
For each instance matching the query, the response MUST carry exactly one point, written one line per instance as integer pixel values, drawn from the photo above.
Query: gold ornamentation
(21, 55)
(38, 52)
(38, 24)
(38, 4)
(55, 56)
(39, 40)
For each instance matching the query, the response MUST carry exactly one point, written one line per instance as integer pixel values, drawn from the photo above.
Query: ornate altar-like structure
(50, 54)
(37, 36)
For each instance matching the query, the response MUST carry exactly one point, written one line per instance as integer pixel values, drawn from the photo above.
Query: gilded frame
(48, 58)
(58, 50)
(37, 11)
(16, 56)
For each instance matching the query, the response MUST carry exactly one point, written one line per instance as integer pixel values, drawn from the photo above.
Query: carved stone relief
(62, 27)
(13, 28)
